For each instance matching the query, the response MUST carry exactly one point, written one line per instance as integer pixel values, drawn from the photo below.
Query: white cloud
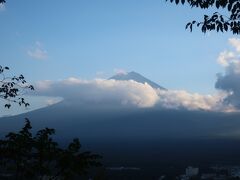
(129, 93)
(229, 80)
(181, 98)
(235, 42)
(100, 90)
(226, 58)
(231, 59)
(38, 52)
(176, 99)
(2, 7)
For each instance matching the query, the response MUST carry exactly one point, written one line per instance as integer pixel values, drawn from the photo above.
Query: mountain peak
(136, 77)
(134, 73)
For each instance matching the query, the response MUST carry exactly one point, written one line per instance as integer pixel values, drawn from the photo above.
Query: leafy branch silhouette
(13, 88)
(217, 21)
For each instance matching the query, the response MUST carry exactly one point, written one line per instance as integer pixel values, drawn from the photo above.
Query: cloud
(235, 42)
(229, 81)
(226, 57)
(38, 52)
(125, 93)
(2, 7)
(101, 91)
(175, 99)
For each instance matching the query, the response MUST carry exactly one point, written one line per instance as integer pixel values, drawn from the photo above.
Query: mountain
(107, 122)
(96, 120)
(138, 78)
(145, 137)
(138, 137)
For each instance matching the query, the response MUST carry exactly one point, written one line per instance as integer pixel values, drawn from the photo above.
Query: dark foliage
(217, 22)
(12, 88)
(24, 156)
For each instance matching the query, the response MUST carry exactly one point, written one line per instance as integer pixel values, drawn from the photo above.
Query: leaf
(221, 18)
(225, 27)
(7, 106)
(229, 6)
(188, 24)
(217, 4)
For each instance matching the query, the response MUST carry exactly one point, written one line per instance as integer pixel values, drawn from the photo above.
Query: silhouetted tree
(24, 156)
(13, 88)
(217, 21)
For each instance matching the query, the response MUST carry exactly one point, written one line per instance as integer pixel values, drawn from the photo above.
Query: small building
(235, 172)
(191, 171)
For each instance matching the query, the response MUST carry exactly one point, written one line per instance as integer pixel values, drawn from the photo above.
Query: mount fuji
(120, 132)
(136, 77)
(74, 117)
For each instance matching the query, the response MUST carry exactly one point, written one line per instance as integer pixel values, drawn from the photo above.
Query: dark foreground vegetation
(27, 156)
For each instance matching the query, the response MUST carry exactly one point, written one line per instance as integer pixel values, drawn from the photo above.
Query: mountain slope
(105, 122)
(136, 77)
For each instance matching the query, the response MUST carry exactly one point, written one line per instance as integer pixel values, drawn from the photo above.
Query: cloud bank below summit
(101, 91)
(129, 93)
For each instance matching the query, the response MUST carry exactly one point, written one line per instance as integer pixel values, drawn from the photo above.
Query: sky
(54, 40)
(88, 39)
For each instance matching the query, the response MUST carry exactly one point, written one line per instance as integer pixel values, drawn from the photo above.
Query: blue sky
(88, 39)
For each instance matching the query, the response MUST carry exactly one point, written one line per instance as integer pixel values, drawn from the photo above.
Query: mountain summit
(136, 77)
